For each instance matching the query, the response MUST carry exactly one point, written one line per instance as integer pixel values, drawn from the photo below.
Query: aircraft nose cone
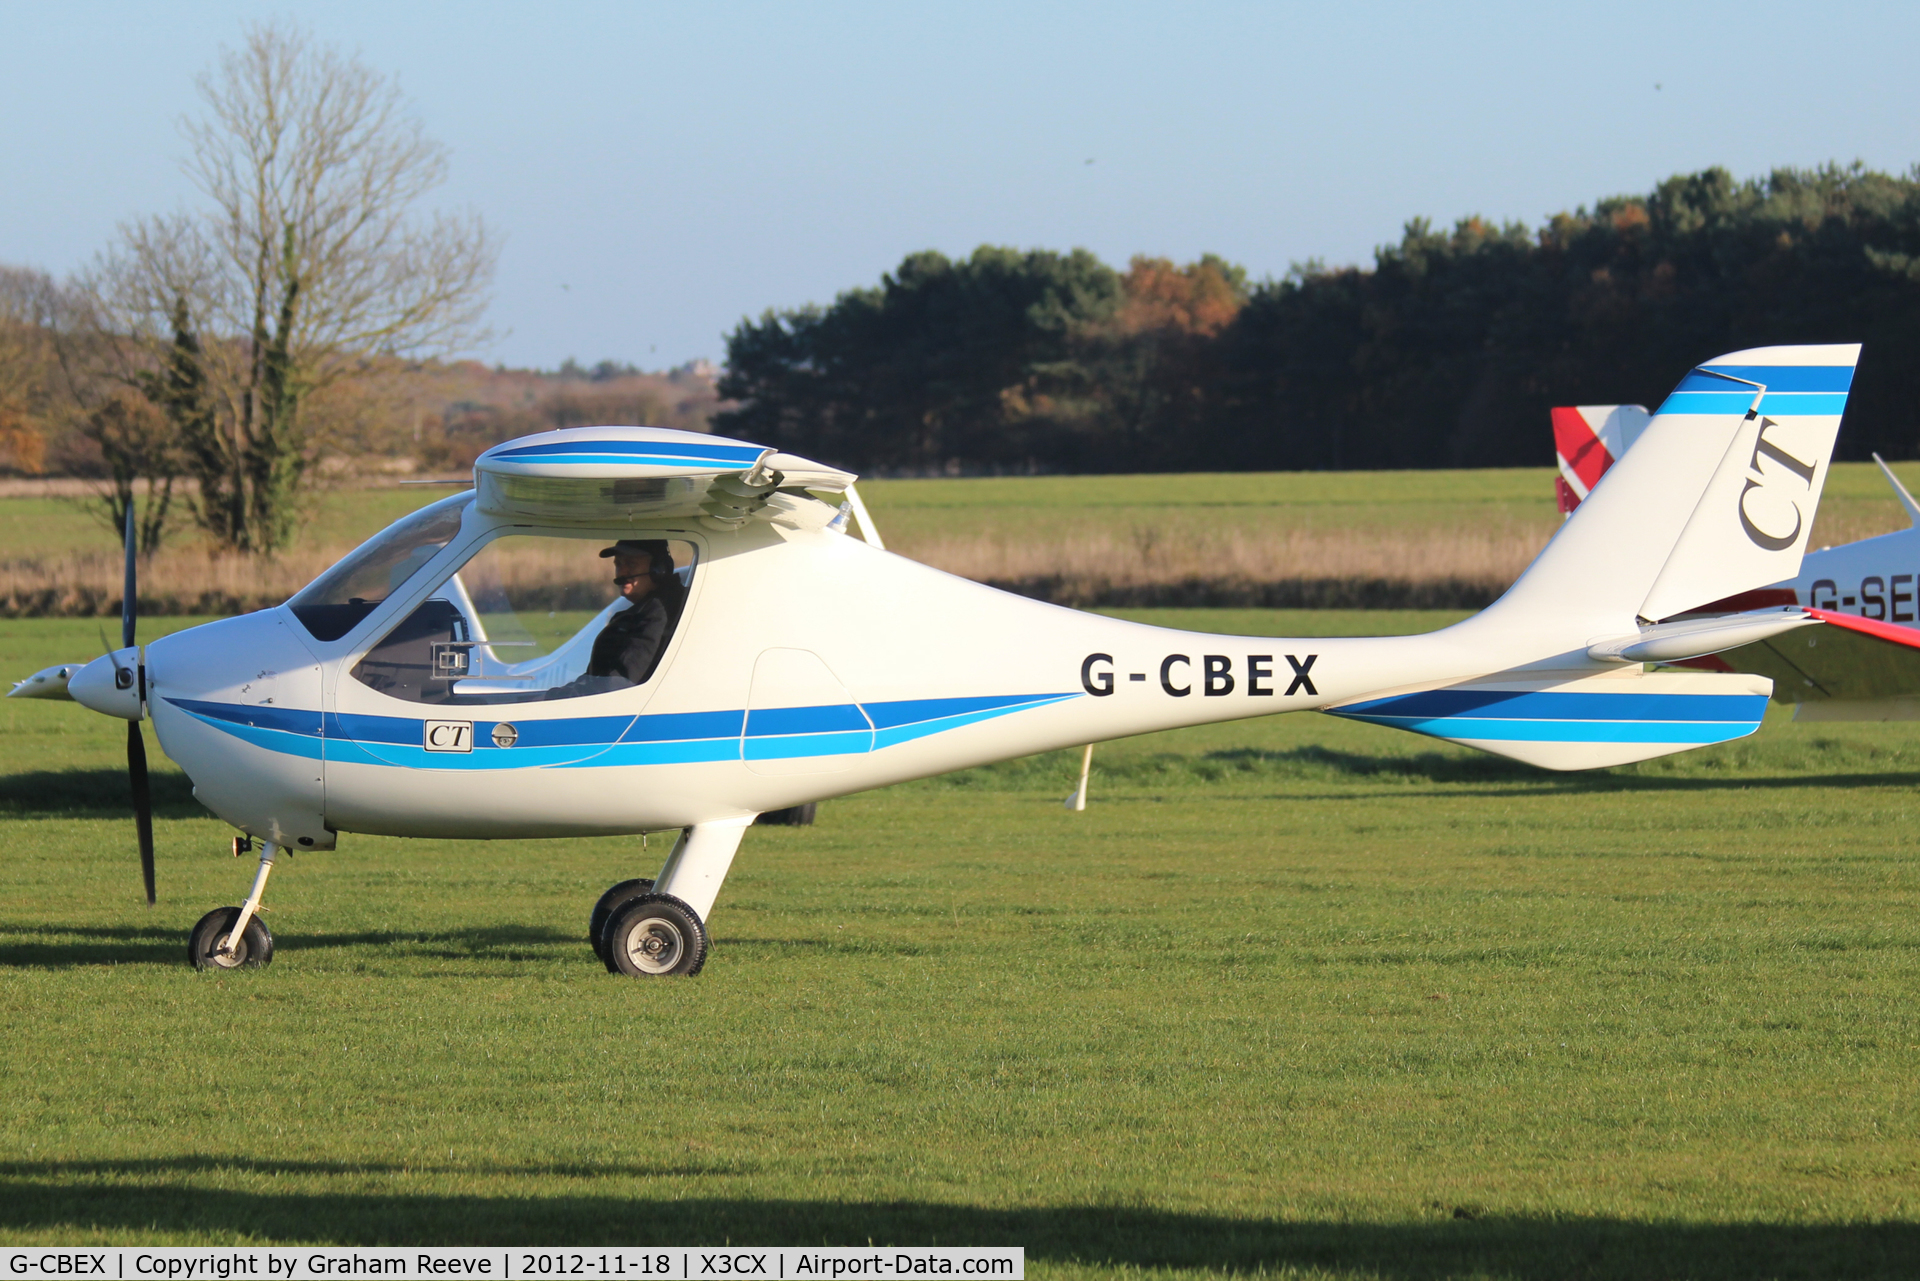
(110, 685)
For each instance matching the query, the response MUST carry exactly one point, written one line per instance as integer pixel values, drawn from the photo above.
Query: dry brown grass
(1324, 567)
(88, 584)
(1460, 566)
(174, 582)
(1286, 567)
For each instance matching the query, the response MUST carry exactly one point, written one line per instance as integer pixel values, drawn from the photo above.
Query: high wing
(590, 475)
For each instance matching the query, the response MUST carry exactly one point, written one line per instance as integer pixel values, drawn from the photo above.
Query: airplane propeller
(136, 742)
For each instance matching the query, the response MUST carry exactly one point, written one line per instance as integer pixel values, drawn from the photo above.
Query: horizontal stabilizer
(1671, 642)
(1580, 722)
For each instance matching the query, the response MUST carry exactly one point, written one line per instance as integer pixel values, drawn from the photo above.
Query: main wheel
(792, 816)
(254, 949)
(657, 934)
(610, 902)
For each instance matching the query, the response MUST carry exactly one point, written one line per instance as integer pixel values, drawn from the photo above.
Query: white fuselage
(807, 664)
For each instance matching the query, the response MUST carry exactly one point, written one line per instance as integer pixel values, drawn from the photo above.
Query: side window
(531, 617)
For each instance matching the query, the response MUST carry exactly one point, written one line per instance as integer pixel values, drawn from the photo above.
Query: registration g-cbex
(678, 1263)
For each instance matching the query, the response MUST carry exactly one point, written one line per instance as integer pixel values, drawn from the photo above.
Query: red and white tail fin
(1589, 439)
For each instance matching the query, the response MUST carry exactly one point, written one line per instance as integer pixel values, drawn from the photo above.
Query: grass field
(1075, 538)
(1293, 996)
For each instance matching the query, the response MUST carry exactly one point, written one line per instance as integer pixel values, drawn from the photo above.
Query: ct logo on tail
(1770, 505)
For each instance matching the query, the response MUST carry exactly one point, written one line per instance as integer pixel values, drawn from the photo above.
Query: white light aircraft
(431, 684)
(1866, 666)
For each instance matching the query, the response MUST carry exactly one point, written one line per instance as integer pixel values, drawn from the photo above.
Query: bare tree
(137, 443)
(308, 263)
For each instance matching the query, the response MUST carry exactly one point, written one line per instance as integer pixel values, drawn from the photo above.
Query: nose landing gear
(232, 938)
(208, 947)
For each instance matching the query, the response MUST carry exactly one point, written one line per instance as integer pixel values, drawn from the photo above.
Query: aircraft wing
(588, 475)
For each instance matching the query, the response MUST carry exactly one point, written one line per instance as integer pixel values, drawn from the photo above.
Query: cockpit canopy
(611, 477)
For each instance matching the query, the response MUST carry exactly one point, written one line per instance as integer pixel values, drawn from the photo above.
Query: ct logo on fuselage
(1769, 510)
(1214, 674)
(448, 736)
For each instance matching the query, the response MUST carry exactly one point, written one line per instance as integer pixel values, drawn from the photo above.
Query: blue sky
(659, 171)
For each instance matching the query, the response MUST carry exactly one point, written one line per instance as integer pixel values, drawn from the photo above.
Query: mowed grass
(1293, 996)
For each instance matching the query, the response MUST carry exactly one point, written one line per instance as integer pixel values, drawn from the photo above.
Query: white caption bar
(676, 1263)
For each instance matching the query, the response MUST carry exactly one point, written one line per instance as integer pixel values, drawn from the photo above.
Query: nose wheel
(235, 938)
(207, 946)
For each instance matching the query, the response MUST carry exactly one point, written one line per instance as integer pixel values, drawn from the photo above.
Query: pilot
(625, 651)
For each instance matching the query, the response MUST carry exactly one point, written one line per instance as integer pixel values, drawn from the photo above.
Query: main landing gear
(233, 938)
(640, 927)
(644, 928)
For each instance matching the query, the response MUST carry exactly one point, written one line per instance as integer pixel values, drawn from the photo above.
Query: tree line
(1447, 351)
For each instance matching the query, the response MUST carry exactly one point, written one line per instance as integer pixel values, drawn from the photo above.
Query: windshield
(333, 603)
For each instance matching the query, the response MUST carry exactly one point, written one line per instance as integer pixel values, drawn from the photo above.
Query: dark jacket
(629, 645)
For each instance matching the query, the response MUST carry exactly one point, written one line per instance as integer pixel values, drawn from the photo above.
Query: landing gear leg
(665, 931)
(229, 938)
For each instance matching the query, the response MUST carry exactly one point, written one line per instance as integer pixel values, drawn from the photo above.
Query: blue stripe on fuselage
(1563, 705)
(1561, 716)
(1490, 730)
(663, 739)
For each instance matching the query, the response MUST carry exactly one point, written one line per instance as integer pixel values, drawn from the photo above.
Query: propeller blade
(136, 742)
(142, 802)
(129, 596)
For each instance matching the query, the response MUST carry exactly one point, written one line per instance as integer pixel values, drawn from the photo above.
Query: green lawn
(1295, 996)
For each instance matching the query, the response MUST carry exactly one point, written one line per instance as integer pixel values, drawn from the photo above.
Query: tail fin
(1716, 497)
(1752, 525)
(1587, 440)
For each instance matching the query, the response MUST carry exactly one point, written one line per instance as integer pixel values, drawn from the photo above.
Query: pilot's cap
(638, 547)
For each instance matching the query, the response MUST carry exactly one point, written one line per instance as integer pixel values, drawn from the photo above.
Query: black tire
(255, 948)
(793, 816)
(610, 902)
(655, 936)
